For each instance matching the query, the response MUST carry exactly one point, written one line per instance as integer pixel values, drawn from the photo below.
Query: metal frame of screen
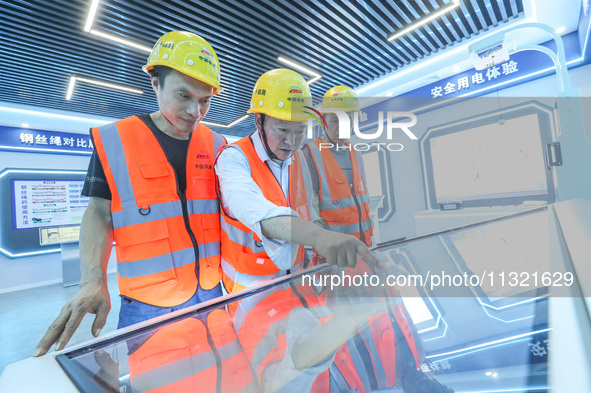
(546, 121)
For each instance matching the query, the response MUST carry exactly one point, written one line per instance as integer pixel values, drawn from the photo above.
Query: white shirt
(243, 199)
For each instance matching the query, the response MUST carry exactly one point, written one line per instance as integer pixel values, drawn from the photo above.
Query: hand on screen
(93, 298)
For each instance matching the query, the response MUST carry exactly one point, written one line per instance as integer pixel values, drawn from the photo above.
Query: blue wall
(21, 273)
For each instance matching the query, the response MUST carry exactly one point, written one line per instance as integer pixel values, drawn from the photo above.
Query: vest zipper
(182, 196)
(183, 199)
(299, 295)
(218, 362)
(189, 231)
(361, 233)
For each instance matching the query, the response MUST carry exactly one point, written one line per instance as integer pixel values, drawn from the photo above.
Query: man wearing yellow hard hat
(258, 223)
(337, 171)
(151, 187)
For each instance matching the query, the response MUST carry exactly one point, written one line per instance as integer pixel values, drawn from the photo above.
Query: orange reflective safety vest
(261, 324)
(193, 355)
(365, 362)
(159, 232)
(374, 346)
(343, 206)
(244, 260)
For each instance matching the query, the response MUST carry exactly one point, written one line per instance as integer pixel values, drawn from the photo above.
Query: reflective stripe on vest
(245, 261)
(186, 356)
(342, 211)
(153, 238)
(161, 262)
(160, 211)
(238, 281)
(244, 238)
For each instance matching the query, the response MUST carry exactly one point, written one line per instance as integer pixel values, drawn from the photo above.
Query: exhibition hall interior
(465, 126)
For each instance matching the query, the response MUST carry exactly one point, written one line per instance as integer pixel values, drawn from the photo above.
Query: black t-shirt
(95, 184)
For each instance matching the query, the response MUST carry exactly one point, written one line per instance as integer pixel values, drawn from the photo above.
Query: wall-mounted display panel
(37, 198)
(498, 158)
(47, 203)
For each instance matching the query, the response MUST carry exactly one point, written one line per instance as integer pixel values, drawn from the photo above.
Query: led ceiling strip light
(97, 82)
(455, 3)
(315, 75)
(88, 28)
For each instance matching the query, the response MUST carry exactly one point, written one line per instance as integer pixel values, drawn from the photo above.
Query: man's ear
(155, 83)
(257, 121)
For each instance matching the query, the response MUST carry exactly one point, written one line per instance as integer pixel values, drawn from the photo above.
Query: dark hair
(160, 72)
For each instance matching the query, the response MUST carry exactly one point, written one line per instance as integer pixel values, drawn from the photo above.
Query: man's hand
(337, 248)
(108, 374)
(96, 242)
(93, 298)
(343, 250)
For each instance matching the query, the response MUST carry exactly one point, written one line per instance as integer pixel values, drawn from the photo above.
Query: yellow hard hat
(341, 97)
(187, 53)
(282, 94)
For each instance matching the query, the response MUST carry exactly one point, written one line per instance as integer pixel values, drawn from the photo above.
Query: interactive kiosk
(512, 316)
